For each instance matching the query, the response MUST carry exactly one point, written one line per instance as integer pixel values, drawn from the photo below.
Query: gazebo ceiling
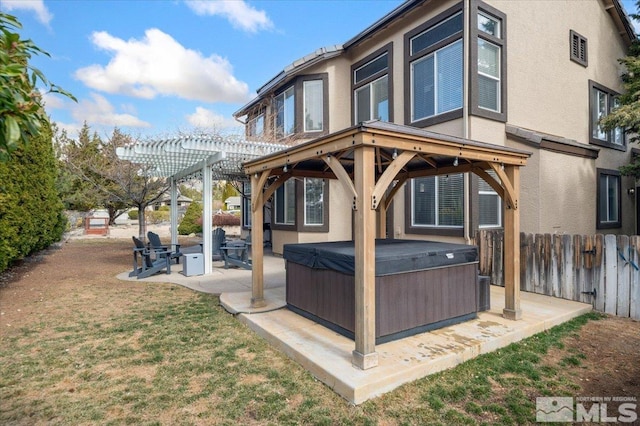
(435, 153)
(184, 157)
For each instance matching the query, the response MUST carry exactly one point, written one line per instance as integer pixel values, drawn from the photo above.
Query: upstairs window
(578, 48)
(488, 63)
(285, 113)
(256, 126)
(435, 64)
(371, 89)
(601, 102)
(313, 105)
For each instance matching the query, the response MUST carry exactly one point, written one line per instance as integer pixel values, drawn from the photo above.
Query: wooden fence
(600, 269)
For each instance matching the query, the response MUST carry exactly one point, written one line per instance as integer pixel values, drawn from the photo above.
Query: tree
(77, 192)
(118, 184)
(627, 114)
(22, 116)
(228, 190)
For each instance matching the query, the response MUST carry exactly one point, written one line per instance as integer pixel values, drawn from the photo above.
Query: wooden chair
(236, 253)
(219, 240)
(147, 262)
(155, 244)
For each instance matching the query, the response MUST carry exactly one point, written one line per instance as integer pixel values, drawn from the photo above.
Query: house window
(313, 105)
(608, 199)
(285, 203)
(578, 51)
(601, 102)
(371, 88)
(256, 126)
(488, 63)
(435, 67)
(437, 201)
(285, 113)
(313, 202)
(489, 205)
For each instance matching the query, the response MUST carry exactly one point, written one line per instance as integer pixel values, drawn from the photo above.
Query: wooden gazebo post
(257, 237)
(364, 355)
(512, 248)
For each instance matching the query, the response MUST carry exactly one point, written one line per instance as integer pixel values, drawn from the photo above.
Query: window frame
(305, 202)
(575, 56)
(276, 114)
(411, 228)
(611, 96)
(491, 192)
(299, 223)
(251, 125)
(600, 222)
(410, 58)
(304, 105)
(388, 50)
(299, 102)
(481, 8)
(286, 207)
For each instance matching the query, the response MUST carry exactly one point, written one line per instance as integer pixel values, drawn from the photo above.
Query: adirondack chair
(219, 240)
(147, 262)
(236, 253)
(156, 244)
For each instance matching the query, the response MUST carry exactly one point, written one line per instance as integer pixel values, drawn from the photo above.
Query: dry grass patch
(77, 346)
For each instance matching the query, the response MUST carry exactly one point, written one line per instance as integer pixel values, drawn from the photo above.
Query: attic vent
(578, 48)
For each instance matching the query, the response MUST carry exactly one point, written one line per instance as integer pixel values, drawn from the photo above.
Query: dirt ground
(609, 349)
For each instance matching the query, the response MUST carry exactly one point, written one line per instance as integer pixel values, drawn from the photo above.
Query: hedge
(31, 212)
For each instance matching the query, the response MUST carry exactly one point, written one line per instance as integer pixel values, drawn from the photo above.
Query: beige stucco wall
(339, 223)
(546, 92)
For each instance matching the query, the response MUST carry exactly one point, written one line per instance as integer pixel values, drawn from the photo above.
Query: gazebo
(209, 158)
(372, 161)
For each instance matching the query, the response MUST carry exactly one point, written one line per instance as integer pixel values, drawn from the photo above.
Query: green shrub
(31, 213)
(157, 216)
(191, 223)
(133, 214)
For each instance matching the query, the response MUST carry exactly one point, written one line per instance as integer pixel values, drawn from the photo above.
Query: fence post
(611, 274)
(599, 271)
(634, 284)
(625, 269)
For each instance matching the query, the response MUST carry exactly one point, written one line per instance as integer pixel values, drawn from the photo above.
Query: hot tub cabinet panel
(407, 302)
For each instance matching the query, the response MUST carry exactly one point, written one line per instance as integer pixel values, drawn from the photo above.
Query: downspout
(465, 115)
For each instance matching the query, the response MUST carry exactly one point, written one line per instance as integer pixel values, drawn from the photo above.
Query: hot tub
(420, 285)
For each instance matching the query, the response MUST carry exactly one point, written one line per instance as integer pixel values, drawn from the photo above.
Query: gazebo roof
(183, 157)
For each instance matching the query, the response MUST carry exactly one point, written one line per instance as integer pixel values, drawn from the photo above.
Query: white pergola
(211, 158)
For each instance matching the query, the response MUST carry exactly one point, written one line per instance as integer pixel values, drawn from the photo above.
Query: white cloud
(159, 65)
(238, 12)
(206, 118)
(42, 13)
(99, 111)
(53, 100)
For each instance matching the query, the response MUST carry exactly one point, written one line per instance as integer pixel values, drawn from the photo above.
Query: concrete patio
(327, 355)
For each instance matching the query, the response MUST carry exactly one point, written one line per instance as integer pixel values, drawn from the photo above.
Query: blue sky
(155, 68)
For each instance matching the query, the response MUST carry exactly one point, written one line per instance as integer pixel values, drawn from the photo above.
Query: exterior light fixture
(395, 154)
(285, 168)
(455, 162)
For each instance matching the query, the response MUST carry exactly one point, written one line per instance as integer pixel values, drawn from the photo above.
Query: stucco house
(530, 75)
